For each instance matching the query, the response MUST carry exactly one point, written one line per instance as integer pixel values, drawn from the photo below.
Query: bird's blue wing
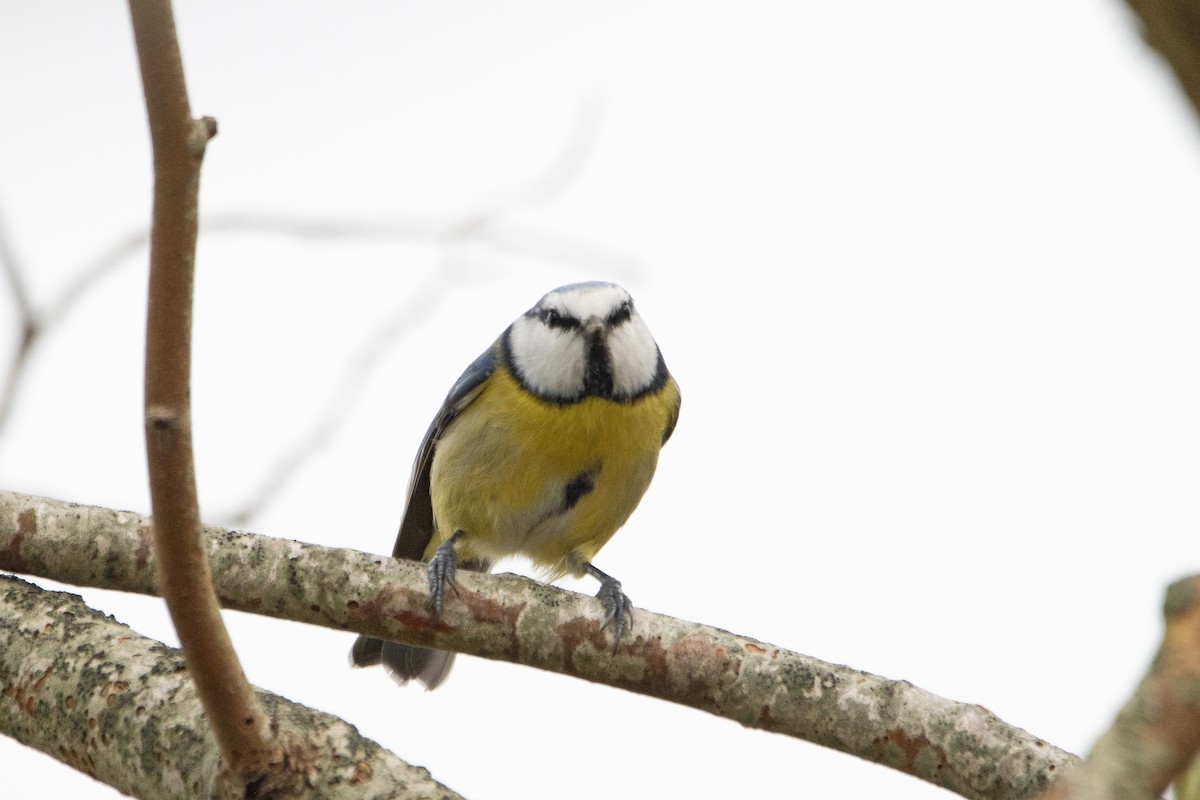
(405, 662)
(417, 527)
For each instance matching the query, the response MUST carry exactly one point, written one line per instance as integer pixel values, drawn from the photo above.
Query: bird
(543, 448)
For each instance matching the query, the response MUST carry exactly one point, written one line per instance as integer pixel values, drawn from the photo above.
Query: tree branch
(27, 320)
(1157, 734)
(532, 242)
(14, 275)
(239, 722)
(1172, 27)
(543, 187)
(477, 227)
(119, 707)
(958, 746)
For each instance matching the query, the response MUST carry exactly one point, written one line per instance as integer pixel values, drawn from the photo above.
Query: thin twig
(509, 237)
(27, 320)
(477, 228)
(14, 274)
(16, 368)
(239, 722)
(545, 187)
(417, 306)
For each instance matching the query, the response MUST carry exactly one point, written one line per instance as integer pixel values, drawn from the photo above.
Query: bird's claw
(442, 569)
(618, 609)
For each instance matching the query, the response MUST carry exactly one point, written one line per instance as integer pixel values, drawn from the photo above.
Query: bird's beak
(593, 326)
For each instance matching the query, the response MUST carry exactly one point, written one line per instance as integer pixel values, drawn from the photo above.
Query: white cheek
(634, 357)
(550, 361)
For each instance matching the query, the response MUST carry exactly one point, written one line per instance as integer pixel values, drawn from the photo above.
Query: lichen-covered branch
(1157, 734)
(120, 707)
(958, 746)
(1172, 27)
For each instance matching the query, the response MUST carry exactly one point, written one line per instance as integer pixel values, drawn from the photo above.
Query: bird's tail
(402, 661)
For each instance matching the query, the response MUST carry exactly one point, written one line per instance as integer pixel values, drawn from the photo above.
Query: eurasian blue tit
(543, 448)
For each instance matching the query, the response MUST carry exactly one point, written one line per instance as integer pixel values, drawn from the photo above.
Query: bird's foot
(442, 568)
(618, 609)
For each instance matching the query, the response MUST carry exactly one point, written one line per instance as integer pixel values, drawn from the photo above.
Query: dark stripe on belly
(580, 485)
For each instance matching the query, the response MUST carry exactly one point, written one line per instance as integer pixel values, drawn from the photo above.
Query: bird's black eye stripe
(553, 318)
(622, 314)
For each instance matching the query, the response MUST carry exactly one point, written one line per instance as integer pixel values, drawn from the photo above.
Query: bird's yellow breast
(552, 482)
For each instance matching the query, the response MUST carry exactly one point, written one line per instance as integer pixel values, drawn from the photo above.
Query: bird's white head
(584, 340)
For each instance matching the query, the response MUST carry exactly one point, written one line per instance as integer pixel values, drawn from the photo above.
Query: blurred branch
(538, 243)
(487, 227)
(1172, 27)
(27, 320)
(1157, 734)
(14, 275)
(500, 235)
(958, 746)
(416, 307)
(92, 693)
(240, 723)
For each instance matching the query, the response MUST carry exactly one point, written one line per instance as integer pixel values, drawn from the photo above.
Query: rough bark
(1157, 733)
(115, 705)
(961, 747)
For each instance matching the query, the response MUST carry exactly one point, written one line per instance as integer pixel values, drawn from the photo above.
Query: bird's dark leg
(442, 568)
(618, 610)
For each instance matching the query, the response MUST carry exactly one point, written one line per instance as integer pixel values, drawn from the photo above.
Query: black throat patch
(597, 374)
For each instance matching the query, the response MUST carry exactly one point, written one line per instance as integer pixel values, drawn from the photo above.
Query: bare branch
(333, 415)
(16, 368)
(533, 242)
(550, 183)
(119, 707)
(239, 721)
(14, 275)
(1157, 734)
(1172, 27)
(36, 325)
(961, 747)
(553, 180)
(118, 253)
(479, 227)
(508, 237)
(27, 320)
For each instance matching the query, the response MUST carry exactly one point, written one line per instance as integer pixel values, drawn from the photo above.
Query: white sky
(926, 273)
